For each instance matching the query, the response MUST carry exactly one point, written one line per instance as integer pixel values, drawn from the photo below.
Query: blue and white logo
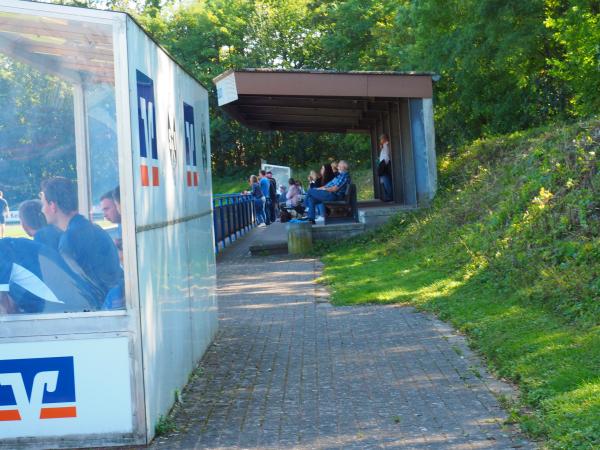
(37, 388)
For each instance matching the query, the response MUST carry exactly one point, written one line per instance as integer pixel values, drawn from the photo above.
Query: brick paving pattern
(288, 370)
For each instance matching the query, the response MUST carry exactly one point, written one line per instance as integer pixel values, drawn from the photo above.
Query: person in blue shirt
(86, 248)
(34, 224)
(35, 279)
(265, 185)
(332, 191)
(259, 199)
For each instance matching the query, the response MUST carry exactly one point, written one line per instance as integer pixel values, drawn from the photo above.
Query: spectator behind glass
(326, 174)
(112, 214)
(35, 279)
(34, 224)
(314, 180)
(293, 194)
(116, 196)
(86, 247)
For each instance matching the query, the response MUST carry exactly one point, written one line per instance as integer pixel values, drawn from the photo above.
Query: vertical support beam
(402, 114)
(421, 115)
(375, 161)
(394, 150)
(81, 151)
(396, 154)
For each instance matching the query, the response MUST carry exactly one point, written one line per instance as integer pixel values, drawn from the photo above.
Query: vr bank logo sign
(37, 388)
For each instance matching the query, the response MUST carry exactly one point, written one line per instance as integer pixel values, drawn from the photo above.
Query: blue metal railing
(233, 216)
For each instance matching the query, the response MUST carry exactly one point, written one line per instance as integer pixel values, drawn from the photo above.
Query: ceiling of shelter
(74, 50)
(318, 101)
(290, 113)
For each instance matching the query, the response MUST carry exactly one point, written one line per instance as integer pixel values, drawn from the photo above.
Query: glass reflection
(62, 247)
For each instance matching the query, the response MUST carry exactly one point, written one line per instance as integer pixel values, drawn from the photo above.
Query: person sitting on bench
(332, 191)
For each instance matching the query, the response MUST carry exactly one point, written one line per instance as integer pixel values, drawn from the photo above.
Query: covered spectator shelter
(393, 103)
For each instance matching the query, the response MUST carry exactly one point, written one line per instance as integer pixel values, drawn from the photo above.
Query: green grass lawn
(509, 254)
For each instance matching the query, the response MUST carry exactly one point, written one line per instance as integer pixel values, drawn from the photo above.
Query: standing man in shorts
(3, 213)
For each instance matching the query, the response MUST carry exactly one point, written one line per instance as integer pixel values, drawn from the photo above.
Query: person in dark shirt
(35, 279)
(86, 247)
(326, 174)
(34, 224)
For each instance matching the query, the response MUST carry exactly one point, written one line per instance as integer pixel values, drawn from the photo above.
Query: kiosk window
(60, 225)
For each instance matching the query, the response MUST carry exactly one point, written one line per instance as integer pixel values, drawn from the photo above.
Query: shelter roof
(315, 100)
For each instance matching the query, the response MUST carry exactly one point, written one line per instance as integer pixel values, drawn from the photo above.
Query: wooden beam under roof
(84, 32)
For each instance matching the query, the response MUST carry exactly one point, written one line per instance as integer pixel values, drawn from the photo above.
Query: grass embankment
(232, 184)
(509, 253)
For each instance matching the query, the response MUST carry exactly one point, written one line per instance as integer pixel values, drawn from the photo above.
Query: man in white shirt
(384, 169)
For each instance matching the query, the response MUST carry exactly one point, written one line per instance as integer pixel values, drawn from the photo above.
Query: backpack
(285, 216)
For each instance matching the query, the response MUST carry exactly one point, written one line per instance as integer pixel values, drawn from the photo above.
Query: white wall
(173, 226)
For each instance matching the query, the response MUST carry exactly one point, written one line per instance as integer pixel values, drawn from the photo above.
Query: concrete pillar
(299, 238)
(375, 161)
(401, 117)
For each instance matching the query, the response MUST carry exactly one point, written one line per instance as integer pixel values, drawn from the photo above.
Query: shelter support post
(397, 158)
(81, 150)
(375, 162)
(401, 119)
(421, 114)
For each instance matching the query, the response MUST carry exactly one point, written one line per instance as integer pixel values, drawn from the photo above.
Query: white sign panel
(60, 388)
(226, 90)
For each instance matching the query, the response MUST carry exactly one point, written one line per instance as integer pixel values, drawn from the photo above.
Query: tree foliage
(504, 64)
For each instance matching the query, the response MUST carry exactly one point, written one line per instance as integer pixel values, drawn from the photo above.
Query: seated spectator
(314, 180)
(86, 248)
(334, 168)
(332, 191)
(293, 194)
(35, 279)
(34, 224)
(282, 194)
(326, 174)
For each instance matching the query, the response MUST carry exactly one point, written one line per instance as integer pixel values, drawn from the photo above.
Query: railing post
(229, 218)
(221, 215)
(214, 205)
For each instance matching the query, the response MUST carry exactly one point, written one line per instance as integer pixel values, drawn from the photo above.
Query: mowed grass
(509, 253)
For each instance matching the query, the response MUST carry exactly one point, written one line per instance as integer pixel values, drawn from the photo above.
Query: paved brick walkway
(288, 370)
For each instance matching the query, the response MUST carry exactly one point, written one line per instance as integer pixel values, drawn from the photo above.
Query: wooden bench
(342, 210)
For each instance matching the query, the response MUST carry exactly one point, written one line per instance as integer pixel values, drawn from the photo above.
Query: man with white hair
(332, 191)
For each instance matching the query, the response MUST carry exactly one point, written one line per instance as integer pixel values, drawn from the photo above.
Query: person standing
(272, 196)
(384, 168)
(3, 213)
(265, 186)
(259, 200)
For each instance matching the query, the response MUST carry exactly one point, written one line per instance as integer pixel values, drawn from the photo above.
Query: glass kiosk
(107, 278)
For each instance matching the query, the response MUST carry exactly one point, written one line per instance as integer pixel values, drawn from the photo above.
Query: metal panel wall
(173, 212)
